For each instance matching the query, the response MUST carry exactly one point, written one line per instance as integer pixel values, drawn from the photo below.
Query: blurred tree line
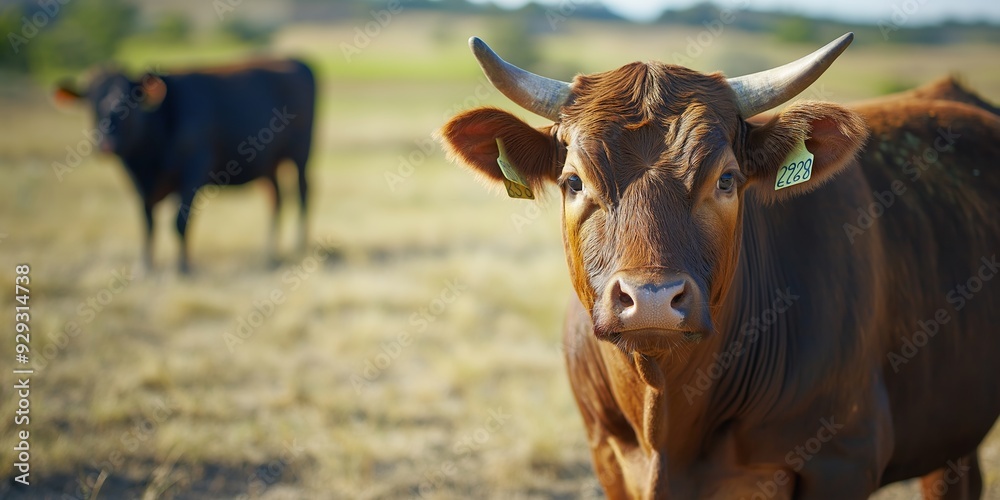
(67, 34)
(796, 28)
(44, 35)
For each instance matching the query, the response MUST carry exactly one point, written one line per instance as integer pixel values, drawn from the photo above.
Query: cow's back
(254, 114)
(934, 168)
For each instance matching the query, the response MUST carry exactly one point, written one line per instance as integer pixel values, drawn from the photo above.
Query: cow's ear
(470, 138)
(832, 133)
(66, 93)
(154, 89)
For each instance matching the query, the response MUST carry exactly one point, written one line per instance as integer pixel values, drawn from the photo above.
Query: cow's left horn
(762, 91)
(540, 95)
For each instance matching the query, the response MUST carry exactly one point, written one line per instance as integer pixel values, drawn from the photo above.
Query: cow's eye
(574, 183)
(726, 182)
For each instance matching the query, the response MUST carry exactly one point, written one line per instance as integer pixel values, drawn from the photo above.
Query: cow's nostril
(650, 302)
(678, 299)
(625, 300)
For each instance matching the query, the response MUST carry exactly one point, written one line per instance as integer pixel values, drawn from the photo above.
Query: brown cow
(731, 340)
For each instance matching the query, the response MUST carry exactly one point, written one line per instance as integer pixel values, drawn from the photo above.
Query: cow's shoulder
(949, 88)
(914, 123)
(927, 113)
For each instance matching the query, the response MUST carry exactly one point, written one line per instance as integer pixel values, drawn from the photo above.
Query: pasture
(413, 351)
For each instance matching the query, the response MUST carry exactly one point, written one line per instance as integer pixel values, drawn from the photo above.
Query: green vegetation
(245, 31)
(513, 32)
(71, 36)
(173, 27)
(80, 34)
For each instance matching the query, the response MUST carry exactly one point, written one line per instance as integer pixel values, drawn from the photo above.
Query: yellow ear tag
(796, 169)
(516, 186)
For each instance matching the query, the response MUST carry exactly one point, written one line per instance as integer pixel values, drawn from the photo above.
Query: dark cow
(733, 340)
(218, 126)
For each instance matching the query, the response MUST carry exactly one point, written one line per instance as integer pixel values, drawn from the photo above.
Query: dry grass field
(412, 351)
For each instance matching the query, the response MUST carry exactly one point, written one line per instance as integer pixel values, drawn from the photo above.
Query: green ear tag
(516, 186)
(796, 169)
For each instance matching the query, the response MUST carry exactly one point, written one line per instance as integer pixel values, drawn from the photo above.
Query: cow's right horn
(540, 95)
(762, 91)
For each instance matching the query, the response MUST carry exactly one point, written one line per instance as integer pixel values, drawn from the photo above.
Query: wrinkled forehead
(649, 119)
(652, 92)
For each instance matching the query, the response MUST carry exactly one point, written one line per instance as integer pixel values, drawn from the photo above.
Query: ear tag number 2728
(796, 169)
(516, 186)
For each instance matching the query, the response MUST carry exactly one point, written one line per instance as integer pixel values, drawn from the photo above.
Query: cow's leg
(839, 478)
(597, 406)
(275, 219)
(846, 455)
(183, 215)
(607, 467)
(147, 246)
(300, 166)
(959, 479)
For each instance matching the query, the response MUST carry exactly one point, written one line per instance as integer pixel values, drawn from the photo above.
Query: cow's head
(654, 162)
(121, 106)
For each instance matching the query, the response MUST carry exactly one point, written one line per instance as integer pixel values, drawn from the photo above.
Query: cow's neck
(690, 394)
(753, 322)
(145, 159)
(150, 143)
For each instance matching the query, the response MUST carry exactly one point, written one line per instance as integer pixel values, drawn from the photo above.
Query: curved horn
(762, 91)
(540, 95)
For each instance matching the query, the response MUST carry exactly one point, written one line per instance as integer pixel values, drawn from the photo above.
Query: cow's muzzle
(651, 302)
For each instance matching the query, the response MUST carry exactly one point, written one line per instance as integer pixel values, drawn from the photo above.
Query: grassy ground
(414, 348)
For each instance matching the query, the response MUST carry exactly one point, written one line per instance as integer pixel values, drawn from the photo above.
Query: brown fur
(948, 88)
(471, 137)
(832, 133)
(664, 417)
